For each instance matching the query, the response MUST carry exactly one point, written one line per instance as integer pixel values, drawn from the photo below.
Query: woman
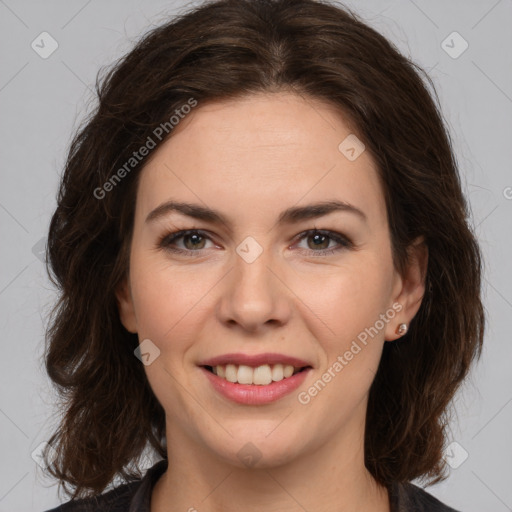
(266, 271)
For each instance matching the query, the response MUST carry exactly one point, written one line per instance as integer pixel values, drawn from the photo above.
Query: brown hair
(224, 50)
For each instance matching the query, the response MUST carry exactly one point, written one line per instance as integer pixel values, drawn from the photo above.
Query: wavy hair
(223, 50)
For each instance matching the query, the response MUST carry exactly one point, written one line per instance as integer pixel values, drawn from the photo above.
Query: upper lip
(254, 360)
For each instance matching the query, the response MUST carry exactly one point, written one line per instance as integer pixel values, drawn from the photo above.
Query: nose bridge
(254, 295)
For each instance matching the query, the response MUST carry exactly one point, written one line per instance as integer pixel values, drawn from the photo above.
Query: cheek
(349, 303)
(169, 310)
(169, 299)
(346, 300)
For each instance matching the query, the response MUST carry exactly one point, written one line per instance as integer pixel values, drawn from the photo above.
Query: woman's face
(258, 284)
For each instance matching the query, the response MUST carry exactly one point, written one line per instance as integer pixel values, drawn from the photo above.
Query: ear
(126, 307)
(409, 288)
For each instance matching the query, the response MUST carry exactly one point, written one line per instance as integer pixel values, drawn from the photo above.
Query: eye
(194, 241)
(321, 239)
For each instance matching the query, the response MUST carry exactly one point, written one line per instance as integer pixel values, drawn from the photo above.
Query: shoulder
(130, 496)
(115, 500)
(407, 497)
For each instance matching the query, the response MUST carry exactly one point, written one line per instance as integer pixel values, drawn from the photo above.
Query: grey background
(43, 100)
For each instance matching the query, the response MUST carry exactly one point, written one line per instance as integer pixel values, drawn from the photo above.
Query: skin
(250, 159)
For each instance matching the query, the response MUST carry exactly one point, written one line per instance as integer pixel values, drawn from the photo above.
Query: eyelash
(166, 241)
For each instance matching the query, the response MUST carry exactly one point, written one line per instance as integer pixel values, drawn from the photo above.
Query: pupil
(317, 239)
(194, 238)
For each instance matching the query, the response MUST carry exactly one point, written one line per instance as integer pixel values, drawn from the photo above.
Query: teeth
(261, 375)
(277, 372)
(244, 375)
(231, 373)
(287, 371)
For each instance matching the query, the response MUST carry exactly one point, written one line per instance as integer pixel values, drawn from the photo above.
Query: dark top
(135, 496)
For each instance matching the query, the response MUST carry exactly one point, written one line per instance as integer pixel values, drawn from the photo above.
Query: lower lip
(254, 394)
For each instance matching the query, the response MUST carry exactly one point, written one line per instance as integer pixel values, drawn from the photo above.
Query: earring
(401, 329)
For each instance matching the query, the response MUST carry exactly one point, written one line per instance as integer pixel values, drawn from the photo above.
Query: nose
(254, 295)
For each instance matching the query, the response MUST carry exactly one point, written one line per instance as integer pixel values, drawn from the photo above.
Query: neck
(198, 480)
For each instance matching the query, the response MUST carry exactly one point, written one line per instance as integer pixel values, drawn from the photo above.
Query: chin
(258, 450)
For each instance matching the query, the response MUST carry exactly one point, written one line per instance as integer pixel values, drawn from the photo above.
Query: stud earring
(401, 329)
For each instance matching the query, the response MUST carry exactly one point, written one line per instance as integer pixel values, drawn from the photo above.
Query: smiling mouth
(261, 375)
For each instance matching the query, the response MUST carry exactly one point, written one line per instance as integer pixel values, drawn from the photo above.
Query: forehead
(262, 153)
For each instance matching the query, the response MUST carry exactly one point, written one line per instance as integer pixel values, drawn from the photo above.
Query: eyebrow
(291, 215)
